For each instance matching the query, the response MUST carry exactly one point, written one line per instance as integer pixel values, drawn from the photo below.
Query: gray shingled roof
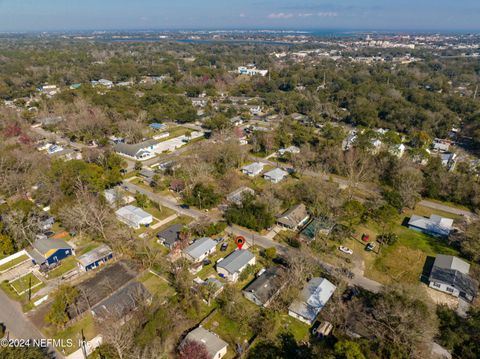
(95, 255)
(266, 285)
(211, 340)
(170, 235)
(132, 149)
(199, 247)
(293, 216)
(43, 245)
(236, 260)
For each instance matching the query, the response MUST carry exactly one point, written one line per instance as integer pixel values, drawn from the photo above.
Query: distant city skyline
(407, 15)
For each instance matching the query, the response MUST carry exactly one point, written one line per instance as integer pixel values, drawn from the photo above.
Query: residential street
(252, 238)
(18, 325)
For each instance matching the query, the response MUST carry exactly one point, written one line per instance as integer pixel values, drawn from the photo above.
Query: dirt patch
(442, 298)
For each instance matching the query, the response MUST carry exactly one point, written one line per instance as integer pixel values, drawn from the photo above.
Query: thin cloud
(308, 14)
(327, 14)
(280, 15)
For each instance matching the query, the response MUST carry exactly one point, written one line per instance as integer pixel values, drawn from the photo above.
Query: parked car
(345, 250)
(370, 247)
(281, 261)
(224, 247)
(220, 240)
(206, 262)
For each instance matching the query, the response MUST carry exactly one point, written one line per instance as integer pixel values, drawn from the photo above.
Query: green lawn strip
(298, 329)
(22, 284)
(65, 265)
(74, 332)
(160, 214)
(228, 330)
(427, 212)
(86, 248)
(402, 261)
(448, 204)
(14, 262)
(157, 286)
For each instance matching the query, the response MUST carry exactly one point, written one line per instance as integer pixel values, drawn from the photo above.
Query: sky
(413, 15)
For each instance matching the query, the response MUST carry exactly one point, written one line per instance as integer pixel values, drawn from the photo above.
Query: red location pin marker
(240, 241)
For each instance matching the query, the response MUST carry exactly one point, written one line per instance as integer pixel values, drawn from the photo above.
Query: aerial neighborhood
(201, 195)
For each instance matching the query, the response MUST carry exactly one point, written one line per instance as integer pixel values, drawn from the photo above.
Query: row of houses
(254, 169)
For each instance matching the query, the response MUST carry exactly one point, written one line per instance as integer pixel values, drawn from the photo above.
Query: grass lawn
(66, 265)
(291, 325)
(157, 286)
(160, 214)
(228, 330)
(13, 262)
(86, 248)
(402, 261)
(209, 270)
(74, 332)
(22, 284)
(426, 212)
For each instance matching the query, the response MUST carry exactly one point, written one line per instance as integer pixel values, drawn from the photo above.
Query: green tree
(347, 349)
(58, 313)
(203, 196)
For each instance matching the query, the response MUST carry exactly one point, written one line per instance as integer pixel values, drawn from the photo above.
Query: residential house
(449, 160)
(349, 141)
(215, 283)
(276, 175)
(48, 251)
(102, 82)
(95, 258)
(134, 216)
(139, 151)
(253, 169)
(116, 196)
(216, 347)
(451, 275)
(236, 121)
(50, 120)
(237, 196)
(199, 101)
(265, 287)
(200, 249)
(122, 302)
(157, 126)
(234, 264)
(170, 236)
(68, 154)
(292, 150)
(251, 70)
(294, 217)
(436, 226)
(398, 150)
(439, 145)
(320, 225)
(311, 300)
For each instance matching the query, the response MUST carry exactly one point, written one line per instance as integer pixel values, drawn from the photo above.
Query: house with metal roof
(134, 216)
(216, 346)
(294, 217)
(200, 249)
(48, 251)
(253, 169)
(450, 274)
(95, 258)
(138, 151)
(234, 264)
(312, 299)
(236, 196)
(276, 175)
(265, 287)
(157, 126)
(436, 226)
(170, 235)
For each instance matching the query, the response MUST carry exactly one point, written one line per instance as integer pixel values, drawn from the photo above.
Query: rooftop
(236, 260)
(211, 340)
(95, 255)
(199, 247)
(266, 285)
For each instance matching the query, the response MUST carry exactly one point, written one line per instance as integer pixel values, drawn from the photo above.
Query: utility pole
(84, 349)
(475, 93)
(29, 288)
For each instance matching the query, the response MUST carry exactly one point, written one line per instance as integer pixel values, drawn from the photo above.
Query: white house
(139, 151)
(234, 264)
(398, 150)
(436, 225)
(200, 249)
(134, 216)
(253, 169)
(251, 70)
(451, 275)
(311, 300)
(216, 347)
(276, 175)
(291, 149)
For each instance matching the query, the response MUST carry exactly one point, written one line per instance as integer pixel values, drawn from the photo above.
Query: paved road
(18, 325)
(252, 238)
(448, 209)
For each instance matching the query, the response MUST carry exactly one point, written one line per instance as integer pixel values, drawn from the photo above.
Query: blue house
(158, 126)
(435, 226)
(48, 251)
(95, 258)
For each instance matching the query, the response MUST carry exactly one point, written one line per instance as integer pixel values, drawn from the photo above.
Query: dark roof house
(170, 236)
(265, 287)
(294, 218)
